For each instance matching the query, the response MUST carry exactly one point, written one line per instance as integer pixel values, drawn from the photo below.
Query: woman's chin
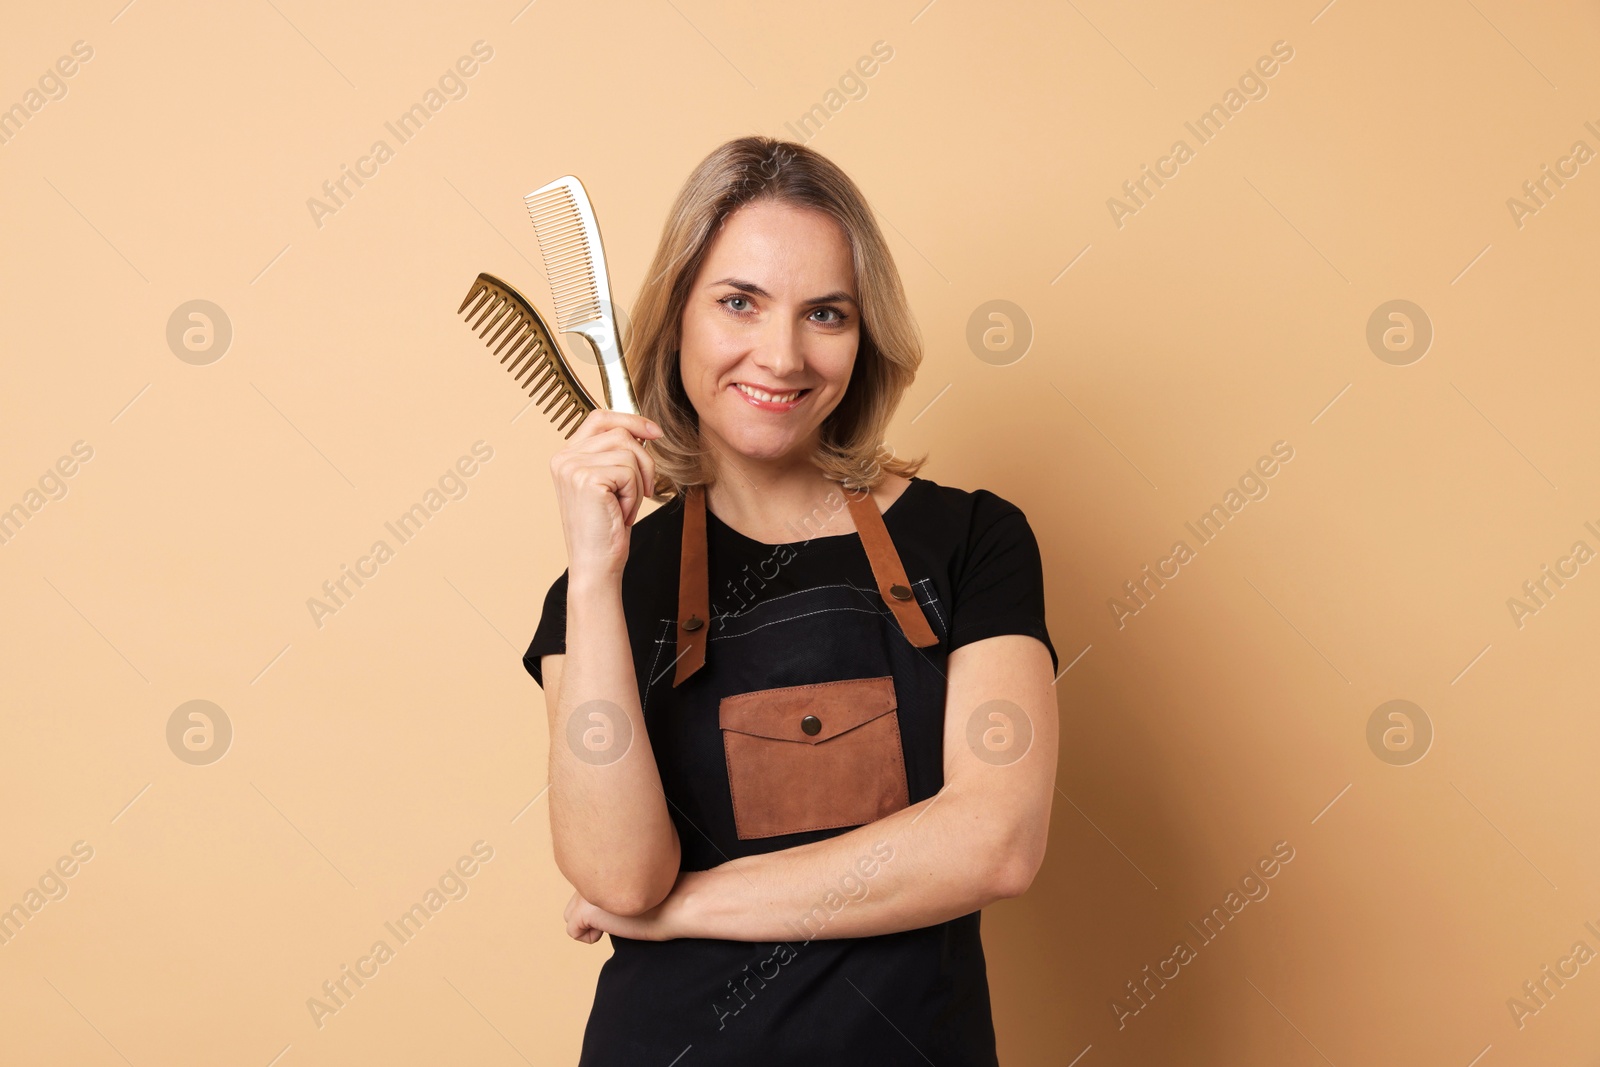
(763, 447)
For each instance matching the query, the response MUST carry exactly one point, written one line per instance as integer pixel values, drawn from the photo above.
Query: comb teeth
(559, 227)
(498, 313)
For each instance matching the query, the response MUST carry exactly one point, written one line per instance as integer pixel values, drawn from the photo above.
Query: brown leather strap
(694, 583)
(694, 586)
(887, 571)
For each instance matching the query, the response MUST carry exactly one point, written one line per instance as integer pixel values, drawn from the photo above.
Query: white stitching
(932, 602)
(792, 618)
(785, 596)
(662, 640)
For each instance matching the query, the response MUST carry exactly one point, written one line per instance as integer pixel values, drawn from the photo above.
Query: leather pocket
(813, 757)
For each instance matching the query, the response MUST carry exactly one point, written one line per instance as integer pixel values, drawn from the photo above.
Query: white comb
(575, 260)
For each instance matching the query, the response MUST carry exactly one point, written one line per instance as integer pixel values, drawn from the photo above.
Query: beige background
(1228, 313)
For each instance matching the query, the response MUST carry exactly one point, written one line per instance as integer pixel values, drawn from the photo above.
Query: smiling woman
(824, 723)
(749, 356)
(746, 309)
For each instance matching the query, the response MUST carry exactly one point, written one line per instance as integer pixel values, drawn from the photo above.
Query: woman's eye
(740, 306)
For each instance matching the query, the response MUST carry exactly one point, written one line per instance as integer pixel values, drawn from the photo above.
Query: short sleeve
(1000, 588)
(550, 637)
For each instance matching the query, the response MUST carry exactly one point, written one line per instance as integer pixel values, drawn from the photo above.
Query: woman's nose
(778, 349)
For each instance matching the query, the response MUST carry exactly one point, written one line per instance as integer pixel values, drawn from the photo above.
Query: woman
(802, 719)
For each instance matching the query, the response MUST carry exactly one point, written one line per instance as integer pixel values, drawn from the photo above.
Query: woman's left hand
(586, 922)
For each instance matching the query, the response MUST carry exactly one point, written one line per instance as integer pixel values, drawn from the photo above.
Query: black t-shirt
(989, 572)
(883, 999)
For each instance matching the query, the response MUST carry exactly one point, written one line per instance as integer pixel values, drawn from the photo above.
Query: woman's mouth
(768, 400)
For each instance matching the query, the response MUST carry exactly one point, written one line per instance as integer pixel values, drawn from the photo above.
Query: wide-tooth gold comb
(535, 362)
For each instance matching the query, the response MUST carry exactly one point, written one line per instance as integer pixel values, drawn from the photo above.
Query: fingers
(615, 438)
(577, 928)
(618, 440)
(602, 419)
(620, 477)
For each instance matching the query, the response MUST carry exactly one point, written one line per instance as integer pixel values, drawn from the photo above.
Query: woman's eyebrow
(836, 297)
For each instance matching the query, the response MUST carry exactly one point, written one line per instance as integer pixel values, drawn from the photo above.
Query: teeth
(780, 398)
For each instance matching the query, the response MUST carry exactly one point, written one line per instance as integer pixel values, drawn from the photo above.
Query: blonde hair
(851, 448)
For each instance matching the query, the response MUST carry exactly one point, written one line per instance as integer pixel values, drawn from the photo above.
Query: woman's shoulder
(956, 524)
(974, 508)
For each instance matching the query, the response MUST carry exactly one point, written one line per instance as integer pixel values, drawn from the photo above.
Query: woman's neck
(778, 506)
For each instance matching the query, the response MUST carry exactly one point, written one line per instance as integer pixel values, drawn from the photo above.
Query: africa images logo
(852, 887)
(1253, 887)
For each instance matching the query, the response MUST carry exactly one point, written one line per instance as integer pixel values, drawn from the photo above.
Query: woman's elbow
(621, 900)
(627, 892)
(1018, 862)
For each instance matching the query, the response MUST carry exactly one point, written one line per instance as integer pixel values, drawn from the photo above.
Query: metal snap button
(811, 725)
(694, 622)
(899, 592)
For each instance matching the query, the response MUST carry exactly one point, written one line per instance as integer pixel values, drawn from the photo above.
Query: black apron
(812, 712)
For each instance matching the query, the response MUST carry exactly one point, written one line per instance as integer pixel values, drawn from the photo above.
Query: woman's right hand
(602, 476)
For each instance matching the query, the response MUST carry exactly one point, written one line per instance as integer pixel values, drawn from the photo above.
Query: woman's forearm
(614, 838)
(931, 862)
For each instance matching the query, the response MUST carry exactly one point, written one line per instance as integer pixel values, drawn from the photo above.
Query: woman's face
(773, 310)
